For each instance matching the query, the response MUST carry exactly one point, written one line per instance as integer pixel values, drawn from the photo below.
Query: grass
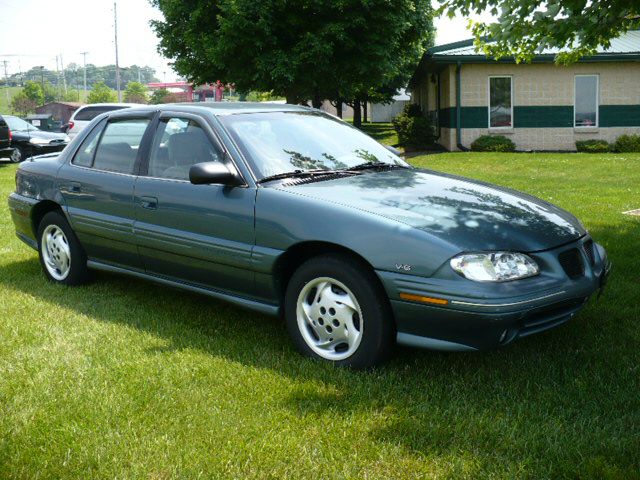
(127, 379)
(5, 103)
(383, 132)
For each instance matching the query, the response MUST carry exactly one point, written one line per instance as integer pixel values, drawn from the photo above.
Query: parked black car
(28, 140)
(5, 139)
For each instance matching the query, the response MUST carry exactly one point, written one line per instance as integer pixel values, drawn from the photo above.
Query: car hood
(469, 214)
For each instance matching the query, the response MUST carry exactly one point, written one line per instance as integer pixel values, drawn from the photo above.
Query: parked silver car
(83, 116)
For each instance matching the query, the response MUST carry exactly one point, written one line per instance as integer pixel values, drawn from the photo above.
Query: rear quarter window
(87, 114)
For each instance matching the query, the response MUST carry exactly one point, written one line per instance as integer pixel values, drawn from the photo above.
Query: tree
(22, 104)
(308, 49)
(135, 93)
(33, 91)
(100, 93)
(161, 95)
(577, 27)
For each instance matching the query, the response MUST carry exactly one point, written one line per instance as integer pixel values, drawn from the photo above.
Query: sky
(33, 32)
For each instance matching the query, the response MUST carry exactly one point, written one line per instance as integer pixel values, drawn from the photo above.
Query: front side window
(119, 145)
(283, 142)
(500, 102)
(180, 143)
(586, 101)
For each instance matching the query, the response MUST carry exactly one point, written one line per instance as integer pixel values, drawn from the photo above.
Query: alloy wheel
(329, 318)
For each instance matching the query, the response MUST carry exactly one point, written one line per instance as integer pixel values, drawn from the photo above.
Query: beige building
(540, 106)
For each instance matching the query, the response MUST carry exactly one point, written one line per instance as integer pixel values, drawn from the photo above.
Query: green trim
(444, 59)
(560, 116)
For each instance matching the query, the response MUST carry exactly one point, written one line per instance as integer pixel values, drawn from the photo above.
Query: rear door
(200, 234)
(97, 185)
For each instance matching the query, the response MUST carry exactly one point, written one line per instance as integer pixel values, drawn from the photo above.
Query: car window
(89, 113)
(18, 124)
(84, 156)
(179, 143)
(119, 145)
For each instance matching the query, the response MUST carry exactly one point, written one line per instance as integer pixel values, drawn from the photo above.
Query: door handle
(74, 187)
(150, 203)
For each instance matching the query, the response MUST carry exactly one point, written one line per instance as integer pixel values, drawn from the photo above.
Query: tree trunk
(357, 113)
(339, 107)
(365, 105)
(317, 101)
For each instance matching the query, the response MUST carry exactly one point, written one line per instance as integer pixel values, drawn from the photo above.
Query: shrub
(493, 143)
(413, 129)
(593, 146)
(627, 143)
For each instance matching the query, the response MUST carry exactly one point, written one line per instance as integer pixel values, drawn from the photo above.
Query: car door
(200, 234)
(97, 186)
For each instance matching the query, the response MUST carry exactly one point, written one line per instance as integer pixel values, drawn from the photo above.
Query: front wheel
(335, 310)
(16, 156)
(62, 257)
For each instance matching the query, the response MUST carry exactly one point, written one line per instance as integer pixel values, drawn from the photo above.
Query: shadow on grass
(562, 403)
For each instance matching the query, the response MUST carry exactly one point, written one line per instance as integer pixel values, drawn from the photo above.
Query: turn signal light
(420, 298)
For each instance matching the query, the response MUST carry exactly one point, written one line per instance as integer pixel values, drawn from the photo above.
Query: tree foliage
(33, 91)
(23, 104)
(135, 93)
(524, 27)
(101, 93)
(162, 95)
(307, 49)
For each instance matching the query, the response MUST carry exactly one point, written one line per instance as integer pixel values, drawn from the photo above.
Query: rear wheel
(62, 257)
(336, 311)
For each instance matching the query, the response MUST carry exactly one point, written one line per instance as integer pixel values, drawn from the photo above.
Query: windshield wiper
(299, 174)
(375, 166)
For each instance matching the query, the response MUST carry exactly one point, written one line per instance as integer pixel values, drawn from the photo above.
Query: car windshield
(281, 142)
(18, 124)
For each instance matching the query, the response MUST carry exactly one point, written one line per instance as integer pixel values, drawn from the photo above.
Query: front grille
(571, 262)
(588, 249)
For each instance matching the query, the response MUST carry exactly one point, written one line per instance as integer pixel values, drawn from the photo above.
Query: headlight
(38, 141)
(494, 266)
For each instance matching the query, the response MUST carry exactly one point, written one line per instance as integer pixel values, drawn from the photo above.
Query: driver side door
(198, 234)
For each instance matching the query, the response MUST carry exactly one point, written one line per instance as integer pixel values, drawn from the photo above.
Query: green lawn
(383, 132)
(127, 379)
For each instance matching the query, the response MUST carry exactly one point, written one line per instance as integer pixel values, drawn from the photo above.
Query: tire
(336, 311)
(62, 258)
(17, 156)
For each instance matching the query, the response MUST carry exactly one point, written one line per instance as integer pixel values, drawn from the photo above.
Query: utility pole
(84, 61)
(6, 82)
(115, 29)
(64, 77)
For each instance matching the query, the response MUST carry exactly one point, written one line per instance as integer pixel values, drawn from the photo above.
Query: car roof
(226, 108)
(110, 105)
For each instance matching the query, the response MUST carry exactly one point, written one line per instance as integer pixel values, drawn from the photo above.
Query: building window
(585, 110)
(500, 102)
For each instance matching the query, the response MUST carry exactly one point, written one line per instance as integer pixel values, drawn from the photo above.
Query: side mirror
(393, 150)
(217, 173)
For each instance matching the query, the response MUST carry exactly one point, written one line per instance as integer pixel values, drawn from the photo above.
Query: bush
(627, 143)
(593, 146)
(413, 129)
(493, 143)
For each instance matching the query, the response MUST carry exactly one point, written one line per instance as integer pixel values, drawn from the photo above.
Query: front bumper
(487, 315)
